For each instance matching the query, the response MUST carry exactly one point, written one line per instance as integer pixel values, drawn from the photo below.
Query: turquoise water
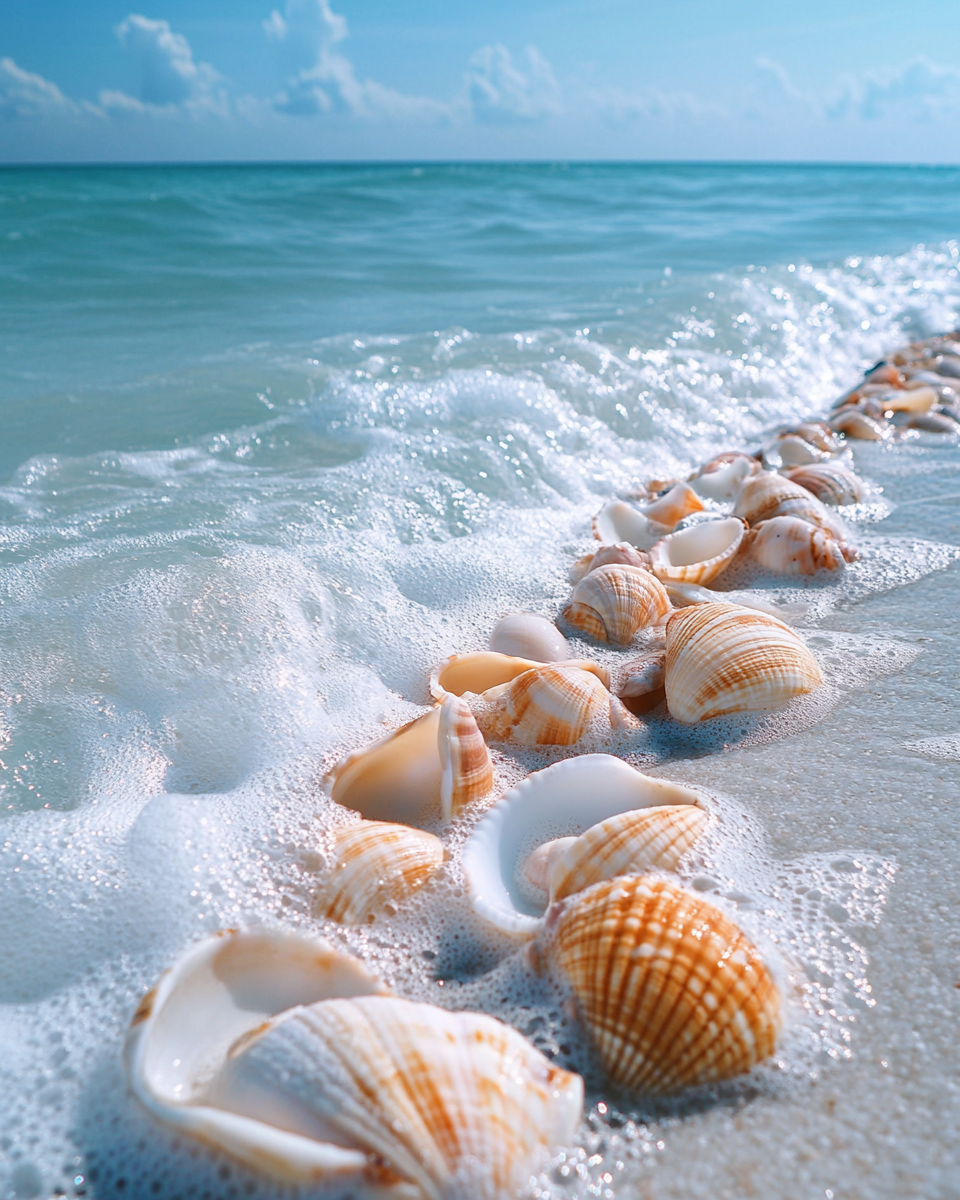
(275, 440)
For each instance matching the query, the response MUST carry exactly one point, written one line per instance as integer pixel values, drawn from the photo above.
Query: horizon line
(478, 162)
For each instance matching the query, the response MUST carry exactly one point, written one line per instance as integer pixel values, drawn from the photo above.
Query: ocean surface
(275, 440)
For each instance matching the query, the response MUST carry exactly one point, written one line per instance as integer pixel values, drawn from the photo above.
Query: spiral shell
(618, 521)
(771, 495)
(856, 424)
(831, 483)
(548, 706)
(698, 554)
(790, 546)
(613, 603)
(724, 481)
(527, 635)
(439, 759)
(671, 992)
(376, 864)
(678, 503)
(722, 658)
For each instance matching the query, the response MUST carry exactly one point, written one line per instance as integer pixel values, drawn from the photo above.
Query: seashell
(569, 798)
(477, 672)
(548, 706)
(933, 422)
(377, 864)
(684, 594)
(671, 992)
(288, 1056)
(831, 483)
(642, 688)
(791, 450)
(790, 546)
(678, 503)
(855, 424)
(884, 372)
(612, 603)
(455, 1103)
(819, 434)
(437, 759)
(618, 521)
(607, 556)
(698, 554)
(725, 481)
(948, 367)
(771, 495)
(526, 635)
(722, 658)
(914, 400)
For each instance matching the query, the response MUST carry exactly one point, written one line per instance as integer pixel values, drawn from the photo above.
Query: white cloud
(23, 94)
(169, 77)
(918, 90)
(617, 107)
(498, 90)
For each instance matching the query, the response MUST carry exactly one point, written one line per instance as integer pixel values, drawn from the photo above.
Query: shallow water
(277, 440)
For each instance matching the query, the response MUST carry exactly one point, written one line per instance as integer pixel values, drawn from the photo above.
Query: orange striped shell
(722, 658)
(790, 546)
(829, 482)
(549, 706)
(377, 864)
(678, 503)
(672, 993)
(613, 603)
(771, 495)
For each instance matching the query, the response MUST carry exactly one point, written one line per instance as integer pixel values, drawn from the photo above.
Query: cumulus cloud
(23, 94)
(169, 77)
(918, 90)
(499, 90)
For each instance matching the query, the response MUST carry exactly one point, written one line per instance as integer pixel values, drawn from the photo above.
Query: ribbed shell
(549, 706)
(772, 495)
(698, 554)
(829, 482)
(671, 992)
(613, 603)
(377, 863)
(618, 521)
(477, 672)
(678, 503)
(621, 553)
(466, 769)
(530, 636)
(855, 424)
(722, 658)
(790, 546)
(456, 1103)
(628, 844)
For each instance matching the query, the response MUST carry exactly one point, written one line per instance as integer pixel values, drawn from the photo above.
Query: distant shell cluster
(294, 1059)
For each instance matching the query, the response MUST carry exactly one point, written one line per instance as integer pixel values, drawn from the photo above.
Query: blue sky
(849, 80)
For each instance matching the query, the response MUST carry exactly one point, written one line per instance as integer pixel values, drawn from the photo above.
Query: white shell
(698, 554)
(621, 522)
(565, 799)
(725, 482)
(856, 424)
(791, 450)
(526, 635)
(911, 400)
(790, 546)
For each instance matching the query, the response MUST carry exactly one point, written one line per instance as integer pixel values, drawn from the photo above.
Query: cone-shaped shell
(376, 865)
(856, 424)
(613, 603)
(439, 759)
(527, 635)
(564, 800)
(725, 482)
(671, 992)
(790, 546)
(771, 495)
(722, 658)
(678, 503)
(455, 1103)
(698, 554)
(549, 706)
(219, 991)
(621, 522)
(830, 482)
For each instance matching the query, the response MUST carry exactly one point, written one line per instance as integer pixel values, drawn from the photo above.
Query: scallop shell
(678, 503)
(698, 554)
(831, 483)
(725, 481)
(376, 864)
(790, 546)
(642, 687)
(722, 658)
(569, 798)
(613, 603)
(548, 706)
(439, 759)
(855, 424)
(618, 521)
(619, 553)
(671, 992)
(526, 635)
(455, 1103)
(771, 495)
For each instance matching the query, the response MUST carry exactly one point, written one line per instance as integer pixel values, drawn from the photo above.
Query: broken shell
(548, 706)
(477, 672)
(613, 603)
(722, 658)
(621, 553)
(568, 798)
(621, 522)
(790, 546)
(771, 495)
(855, 424)
(526, 635)
(678, 503)
(725, 481)
(642, 687)
(671, 992)
(831, 483)
(376, 863)
(698, 554)
(439, 759)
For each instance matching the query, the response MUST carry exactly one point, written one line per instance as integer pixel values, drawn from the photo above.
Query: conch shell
(831, 483)
(618, 521)
(437, 759)
(698, 554)
(725, 480)
(790, 546)
(547, 706)
(376, 865)
(613, 603)
(672, 994)
(722, 658)
(771, 495)
(527, 635)
(566, 800)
